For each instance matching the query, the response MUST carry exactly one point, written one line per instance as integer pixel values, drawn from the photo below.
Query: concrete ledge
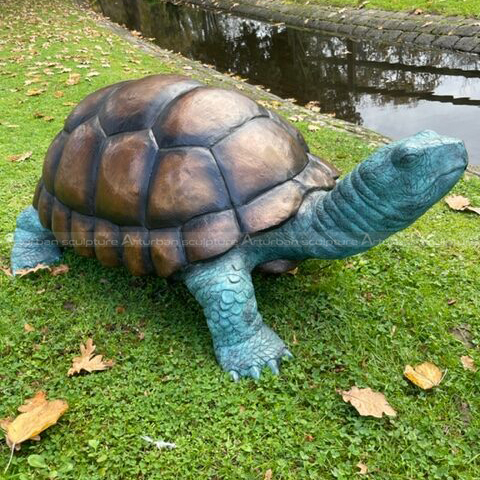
(452, 33)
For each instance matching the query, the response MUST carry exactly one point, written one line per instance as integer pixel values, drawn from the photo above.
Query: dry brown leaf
(20, 157)
(468, 363)
(367, 402)
(28, 271)
(28, 328)
(268, 474)
(363, 469)
(37, 415)
(34, 92)
(474, 209)
(6, 271)
(87, 361)
(293, 271)
(426, 376)
(73, 79)
(417, 11)
(457, 202)
(59, 269)
(58, 94)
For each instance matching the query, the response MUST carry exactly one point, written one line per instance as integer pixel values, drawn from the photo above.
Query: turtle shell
(163, 171)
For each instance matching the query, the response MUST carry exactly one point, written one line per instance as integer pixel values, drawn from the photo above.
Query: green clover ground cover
(352, 322)
(468, 8)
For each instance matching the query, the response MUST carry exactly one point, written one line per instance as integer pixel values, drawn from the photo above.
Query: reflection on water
(394, 89)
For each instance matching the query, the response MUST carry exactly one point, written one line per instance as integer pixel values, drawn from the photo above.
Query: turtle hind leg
(33, 244)
(243, 343)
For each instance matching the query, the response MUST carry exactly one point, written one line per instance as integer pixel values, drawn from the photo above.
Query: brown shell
(163, 171)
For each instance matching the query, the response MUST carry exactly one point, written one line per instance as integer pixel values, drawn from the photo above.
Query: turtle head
(407, 177)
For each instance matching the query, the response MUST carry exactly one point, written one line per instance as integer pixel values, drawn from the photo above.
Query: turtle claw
(273, 365)
(287, 354)
(247, 359)
(255, 373)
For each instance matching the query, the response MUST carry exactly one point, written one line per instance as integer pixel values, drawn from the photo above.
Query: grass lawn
(469, 8)
(352, 322)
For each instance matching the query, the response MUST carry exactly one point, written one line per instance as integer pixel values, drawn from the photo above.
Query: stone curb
(425, 30)
(210, 76)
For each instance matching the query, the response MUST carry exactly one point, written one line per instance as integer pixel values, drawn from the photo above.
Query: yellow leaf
(58, 94)
(28, 328)
(468, 363)
(37, 415)
(457, 202)
(367, 402)
(73, 79)
(20, 157)
(34, 91)
(87, 361)
(426, 376)
(363, 469)
(268, 474)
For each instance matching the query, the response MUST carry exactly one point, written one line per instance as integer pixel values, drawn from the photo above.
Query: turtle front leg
(33, 244)
(243, 343)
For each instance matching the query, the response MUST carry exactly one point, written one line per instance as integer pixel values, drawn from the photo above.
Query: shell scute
(256, 157)
(186, 183)
(75, 176)
(123, 175)
(136, 105)
(203, 116)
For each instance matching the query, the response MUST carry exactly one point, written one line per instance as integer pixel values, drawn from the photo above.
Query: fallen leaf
(451, 301)
(34, 92)
(268, 474)
(37, 414)
(87, 361)
(58, 94)
(468, 363)
(6, 271)
(73, 79)
(363, 469)
(28, 328)
(426, 376)
(426, 24)
(417, 11)
(28, 271)
(457, 202)
(120, 309)
(462, 333)
(20, 157)
(293, 271)
(313, 128)
(93, 74)
(363, 4)
(367, 402)
(59, 270)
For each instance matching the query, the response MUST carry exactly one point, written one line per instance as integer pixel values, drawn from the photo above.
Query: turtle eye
(405, 158)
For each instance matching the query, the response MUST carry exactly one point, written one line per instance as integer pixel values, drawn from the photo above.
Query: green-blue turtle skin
(384, 194)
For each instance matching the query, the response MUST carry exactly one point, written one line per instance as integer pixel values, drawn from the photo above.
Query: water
(396, 90)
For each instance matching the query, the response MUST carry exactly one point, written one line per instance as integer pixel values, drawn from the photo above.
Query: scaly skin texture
(243, 343)
(384, 194)
(33, 244)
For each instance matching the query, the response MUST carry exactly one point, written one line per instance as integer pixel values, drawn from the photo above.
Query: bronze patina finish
(162, 171)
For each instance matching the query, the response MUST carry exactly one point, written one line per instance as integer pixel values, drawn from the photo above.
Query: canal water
(394, 89)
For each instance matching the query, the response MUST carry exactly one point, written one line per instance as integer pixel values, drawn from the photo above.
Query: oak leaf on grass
(367, 402)
(36, 415)
(460, 204)
(468, 363)
(88, 361)
(426, 376)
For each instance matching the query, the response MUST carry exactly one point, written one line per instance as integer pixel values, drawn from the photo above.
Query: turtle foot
(33, 244)
(248, 358)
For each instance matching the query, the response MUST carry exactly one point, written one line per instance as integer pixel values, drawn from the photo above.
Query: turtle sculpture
(165, 175)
